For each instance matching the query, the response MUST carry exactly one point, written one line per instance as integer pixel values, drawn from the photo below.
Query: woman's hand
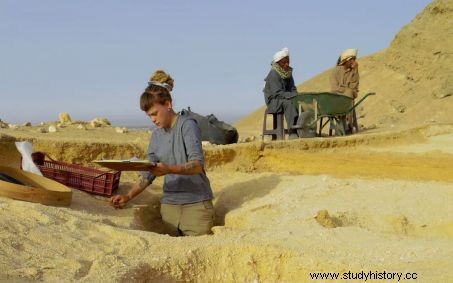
(119, 201)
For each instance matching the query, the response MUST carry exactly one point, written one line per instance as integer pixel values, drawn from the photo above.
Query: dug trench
(283, 209)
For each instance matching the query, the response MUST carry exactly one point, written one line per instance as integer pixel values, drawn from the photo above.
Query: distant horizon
(116, 120)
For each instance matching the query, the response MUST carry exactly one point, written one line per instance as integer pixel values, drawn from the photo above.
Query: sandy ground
(377, 201)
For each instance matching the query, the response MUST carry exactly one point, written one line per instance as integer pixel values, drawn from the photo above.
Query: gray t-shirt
(180, 144)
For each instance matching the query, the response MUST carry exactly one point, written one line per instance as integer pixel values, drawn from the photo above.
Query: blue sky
(94, 58)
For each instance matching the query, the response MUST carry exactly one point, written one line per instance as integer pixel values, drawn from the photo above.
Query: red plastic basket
(87, 179)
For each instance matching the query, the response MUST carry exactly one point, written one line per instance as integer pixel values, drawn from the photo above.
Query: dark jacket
(276, 89)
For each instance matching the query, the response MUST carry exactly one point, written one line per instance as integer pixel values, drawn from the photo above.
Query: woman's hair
(162, 77)
(154, 94)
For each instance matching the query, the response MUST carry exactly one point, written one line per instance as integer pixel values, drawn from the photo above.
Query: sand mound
(412, 77)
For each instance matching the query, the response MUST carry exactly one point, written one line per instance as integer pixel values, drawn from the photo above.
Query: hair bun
(162, 77)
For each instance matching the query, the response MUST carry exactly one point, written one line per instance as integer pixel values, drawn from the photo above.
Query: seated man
(344, 80)
(280, 88)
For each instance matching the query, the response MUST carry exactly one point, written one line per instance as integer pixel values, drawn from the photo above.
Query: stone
(95, 124)
(247, 139)
(99, 122)
(121, 130)
(3, 124)
(324, 219)
(398, 106)
(64, 118)
(52, 129)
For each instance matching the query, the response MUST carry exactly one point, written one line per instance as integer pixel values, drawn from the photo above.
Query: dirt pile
(412, 77)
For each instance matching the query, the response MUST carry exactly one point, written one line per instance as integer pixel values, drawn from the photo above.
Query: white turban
(348, 53)
(281, 54)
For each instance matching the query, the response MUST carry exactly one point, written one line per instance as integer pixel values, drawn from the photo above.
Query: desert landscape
(376, 201)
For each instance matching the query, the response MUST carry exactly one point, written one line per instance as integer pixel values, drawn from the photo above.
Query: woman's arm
(188, 168)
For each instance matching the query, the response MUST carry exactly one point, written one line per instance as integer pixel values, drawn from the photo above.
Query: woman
(280, 88)
(175, 147)
(344, 80)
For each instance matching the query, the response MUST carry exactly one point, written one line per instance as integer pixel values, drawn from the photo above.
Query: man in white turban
(279, 55)
(344, 80)
(280, 88)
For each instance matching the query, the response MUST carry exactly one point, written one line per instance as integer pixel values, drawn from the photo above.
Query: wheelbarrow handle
(360, 101)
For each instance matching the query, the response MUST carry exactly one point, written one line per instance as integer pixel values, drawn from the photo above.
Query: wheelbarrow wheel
(306, 129)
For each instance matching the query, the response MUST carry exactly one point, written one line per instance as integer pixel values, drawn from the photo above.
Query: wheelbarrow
(325, 105)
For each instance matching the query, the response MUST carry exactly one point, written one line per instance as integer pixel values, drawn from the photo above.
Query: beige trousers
(192, 219)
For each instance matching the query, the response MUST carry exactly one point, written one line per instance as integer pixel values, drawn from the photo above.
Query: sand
(286, 209)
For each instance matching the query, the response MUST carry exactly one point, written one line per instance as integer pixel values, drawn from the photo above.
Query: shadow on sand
(233, 196)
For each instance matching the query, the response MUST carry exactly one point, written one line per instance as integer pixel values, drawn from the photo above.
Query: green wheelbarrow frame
(328, 105)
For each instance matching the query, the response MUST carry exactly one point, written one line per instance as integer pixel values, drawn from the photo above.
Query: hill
(412, 77)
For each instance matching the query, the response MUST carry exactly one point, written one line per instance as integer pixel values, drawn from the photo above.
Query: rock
(95, 124)
(397, 106)
(13, 126)
(445, 89)
(247, 139)
(3, 124)
(121, 130)
(324, 219)
(52, 129)
(64, 118)
(99, 122)
(441, 95)
(81, 127)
